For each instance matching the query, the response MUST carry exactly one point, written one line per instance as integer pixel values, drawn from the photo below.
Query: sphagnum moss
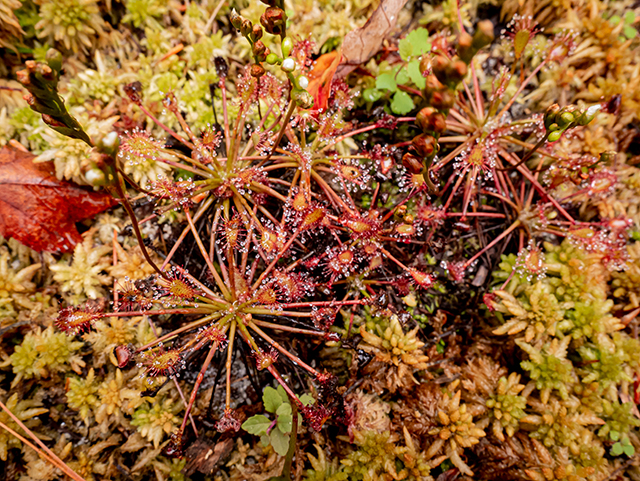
(574, 296)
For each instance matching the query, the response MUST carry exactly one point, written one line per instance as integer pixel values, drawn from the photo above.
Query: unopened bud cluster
(253, 33)
(274, 22)
(41, 80)
(558, 119)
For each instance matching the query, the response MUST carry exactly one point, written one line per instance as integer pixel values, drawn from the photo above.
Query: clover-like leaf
(386, 81)
(616, 449)
(414, 44)
(629, 17)
(402, 103)
(307, 399)
(371, 95)
(405, 49)
(285, 418)
(279, 441)
(283, 394)
(402, 76)
(629, 31)
(413, 69)
(257, 425)
(629, 450)
(271, 399)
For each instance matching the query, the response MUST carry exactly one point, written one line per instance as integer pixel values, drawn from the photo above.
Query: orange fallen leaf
(39, 210)
(321, 76)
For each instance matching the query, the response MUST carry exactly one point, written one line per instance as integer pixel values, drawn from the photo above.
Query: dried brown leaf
(363, 43)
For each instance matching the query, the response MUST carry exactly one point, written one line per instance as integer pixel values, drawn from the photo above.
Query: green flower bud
(109, 144)
(555, 135)
(550, 116)
(589, 114)
(607, 157)
(273, 59)
(287, 45)
(302, 98)
(565, 119)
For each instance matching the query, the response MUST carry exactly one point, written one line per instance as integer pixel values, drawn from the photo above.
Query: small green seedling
(276, 431)
(628, 30)
(411, 48)
(622, 445)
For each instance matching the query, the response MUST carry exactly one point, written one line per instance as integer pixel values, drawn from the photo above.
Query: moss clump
(43, 353)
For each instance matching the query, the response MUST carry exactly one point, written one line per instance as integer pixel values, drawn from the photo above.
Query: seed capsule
(124, 354)
(456, 71)
(440, 66)
(257, 70)
(236, 19)
(430, 120)
(412, 163)
(257, 32)
(484, 34)
(465, 48)
(442, 100)
(246, 27)
(260, 50)
(425, 145)
(273, 20)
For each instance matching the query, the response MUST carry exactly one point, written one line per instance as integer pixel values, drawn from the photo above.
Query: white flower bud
(288, 64)
(95, 177)
(303, 82)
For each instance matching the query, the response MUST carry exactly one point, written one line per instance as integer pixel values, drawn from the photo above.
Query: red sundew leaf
(39, 210)
(361, 44)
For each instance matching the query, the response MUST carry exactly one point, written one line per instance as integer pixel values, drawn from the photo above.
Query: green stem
(288, 460)
(292, 107)
(136, 228)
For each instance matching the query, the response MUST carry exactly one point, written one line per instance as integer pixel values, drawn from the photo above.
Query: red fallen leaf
(361, 44)
(37, 209)
(321, 76)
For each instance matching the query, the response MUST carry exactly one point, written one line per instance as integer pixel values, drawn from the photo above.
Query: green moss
(376, 457)
(43, 353)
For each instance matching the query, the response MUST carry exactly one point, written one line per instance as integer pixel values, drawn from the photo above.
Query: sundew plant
(399, 255)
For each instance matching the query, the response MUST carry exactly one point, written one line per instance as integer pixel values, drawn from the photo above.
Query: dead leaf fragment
(204, 456)
(363, 43)
(39, 210)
